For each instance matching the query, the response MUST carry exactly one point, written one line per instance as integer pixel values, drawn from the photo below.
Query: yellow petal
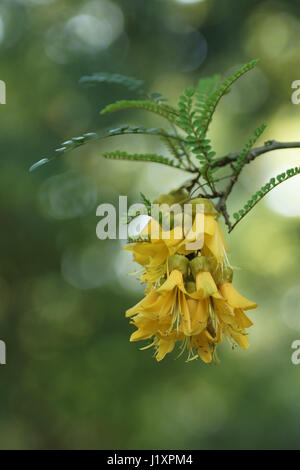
(216, 243)
(152, 229)
(205, 286)
(146, 301)
(146, 328)
(140, 258)
(165, 346)
(240, 339)
(234, 298)
(242, 318)
(159, 257)
(209, 225)
(173, 237)
(201, 344)
(175, 279)
(185, 314)
(198, 315)
(140, 334)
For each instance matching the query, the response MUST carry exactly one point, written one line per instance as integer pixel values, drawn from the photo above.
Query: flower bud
(190, 286)
(200, 263)
(179, 262)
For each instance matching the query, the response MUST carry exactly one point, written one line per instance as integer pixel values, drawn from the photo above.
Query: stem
(232, 158)
(256, 152)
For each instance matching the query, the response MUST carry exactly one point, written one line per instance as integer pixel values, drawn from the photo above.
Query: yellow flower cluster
(189, 296)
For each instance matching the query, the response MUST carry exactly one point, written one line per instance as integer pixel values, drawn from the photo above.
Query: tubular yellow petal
(141, 258)
(198, 314)
(240, 339)
(148, 300)
(174, 280)
(173, 237)
(205, 285)
(202, 346)
(159, 257)
(153, 229)
(165, 346)
(234, 298)
(140, 334)
(197, 228)
(185, 314)
(215, 246)
(146, 328)
(242, 318)
(209, 225)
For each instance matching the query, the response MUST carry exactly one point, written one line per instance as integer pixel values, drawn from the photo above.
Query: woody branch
(229, 160)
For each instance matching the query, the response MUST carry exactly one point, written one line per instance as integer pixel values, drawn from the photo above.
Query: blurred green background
(72, 378)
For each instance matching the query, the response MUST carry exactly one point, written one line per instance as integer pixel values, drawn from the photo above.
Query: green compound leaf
(146, 202)
(141, 157)
(206, 86)
(263, 191)
(244, 153)
(79, 141)
(185, 105)
(174, 146)
(131, 83)
(209, 106)
(164, 110)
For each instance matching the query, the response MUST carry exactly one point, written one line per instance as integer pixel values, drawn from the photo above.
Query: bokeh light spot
(92, 30)
(290, 308)
(189, 2)
(88, 267)
(68, 195)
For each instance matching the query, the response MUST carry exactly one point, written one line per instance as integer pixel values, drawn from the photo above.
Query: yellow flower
(153, 254)
(231, 314)
(189, 298)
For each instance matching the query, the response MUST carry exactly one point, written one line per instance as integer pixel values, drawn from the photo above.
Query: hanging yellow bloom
(189, 298)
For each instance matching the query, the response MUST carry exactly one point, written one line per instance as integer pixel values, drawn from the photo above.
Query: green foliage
(195, 118)
(163, 110)
(157, 97)
(209, 105)
(196, 107)
(174, 146)
(200, 147)
(139, 239)
(129, 82)
(185, 110)
(140, 157)
(146, 202)
(66, 146)
(244, 153)
(76, 142)
(206, 86)
(272, 183)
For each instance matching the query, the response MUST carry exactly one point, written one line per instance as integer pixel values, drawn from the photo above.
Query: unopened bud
(179, 262)
(200, 263)
(190, 287)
